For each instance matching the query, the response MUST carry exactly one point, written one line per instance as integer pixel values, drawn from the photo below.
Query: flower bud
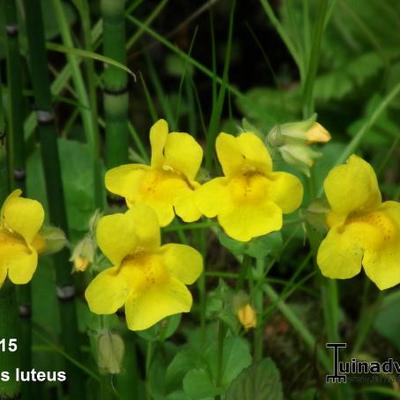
(83, 254)
(308, 131)
(49, 240)
(293, 141)
(247, 316)
(110, 352)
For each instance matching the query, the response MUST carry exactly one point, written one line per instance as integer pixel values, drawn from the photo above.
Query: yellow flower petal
(22, 265)
(352, 187)
(159, 191)
(241, 153)
(183, 262)
(185, 207)
(16, 258)
(249, 221)
(229, 154)
(285, 190)
(339, 255)
(156, 303)
(183, 154)
(147, 228)
(254, 151)
(213, 197)
(107, 292)
(381, 264)
(158, 138)
(23, 216)
(116, 236)
(126, 180)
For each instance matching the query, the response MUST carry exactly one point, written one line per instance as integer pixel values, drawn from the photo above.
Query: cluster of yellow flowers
(150, 279)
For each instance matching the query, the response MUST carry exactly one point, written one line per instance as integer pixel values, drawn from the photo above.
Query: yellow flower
(20, 222)
(362, 230)
(247, 316)
(149, 279)
(250, 199)
(167, 184)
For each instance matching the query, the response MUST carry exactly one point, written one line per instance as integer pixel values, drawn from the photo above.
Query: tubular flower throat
(20, 241)
(250, 198)
(149, 279)
(363, 230)
(168, 184)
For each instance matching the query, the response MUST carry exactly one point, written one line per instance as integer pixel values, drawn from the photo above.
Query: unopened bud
(83, 254)
(110, 353)
(247, 316)
(49, 240)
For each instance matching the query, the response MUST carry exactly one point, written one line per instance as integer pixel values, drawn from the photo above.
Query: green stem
(308, 100)
(217, 108)
(259, 304)
(116, 98)
(220, 356)
(17, 173)
(128, 380)
(330, 300)
(149, 358)
(55, 192)
(299, 326)
(99, 191)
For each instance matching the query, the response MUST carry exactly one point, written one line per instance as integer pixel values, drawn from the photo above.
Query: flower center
(374, 229)
(10, 242)
(248, 188)
(156, 184)
(144, 270)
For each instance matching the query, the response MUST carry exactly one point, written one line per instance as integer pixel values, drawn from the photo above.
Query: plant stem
(220, 356)
(128, 380)
(17, 172)
(299, 326)
(217, 108)
(330, 302)
(115, 97)
(259, 304)
(54, 189)
(308, 100)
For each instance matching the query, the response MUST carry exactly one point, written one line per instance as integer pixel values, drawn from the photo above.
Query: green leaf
(236, 357)
(88, 54)
(262, 246)
(387, 320)
(265, 107)
(261, 381)
(198, 385)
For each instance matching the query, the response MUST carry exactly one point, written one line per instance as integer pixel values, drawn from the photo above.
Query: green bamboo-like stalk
(9, 361)
(115, 96)
(16, 168)
(51, 163)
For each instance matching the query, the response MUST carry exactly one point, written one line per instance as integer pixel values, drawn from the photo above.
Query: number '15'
(8, 345)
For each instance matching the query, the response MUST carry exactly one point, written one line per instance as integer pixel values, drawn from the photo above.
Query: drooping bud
(83, 254)
(49, 240)
(110, 350)
(247, 316)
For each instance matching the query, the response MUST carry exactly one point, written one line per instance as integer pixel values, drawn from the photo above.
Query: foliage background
(189, 71)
